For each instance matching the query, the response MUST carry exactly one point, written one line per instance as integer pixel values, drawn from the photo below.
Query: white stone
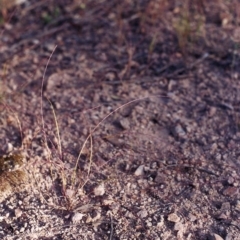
(173, 217)
(178, 226)
(18, 212)
(139, 171)
(99, 190)
(217, 237)
(142, 213)
(77, 217)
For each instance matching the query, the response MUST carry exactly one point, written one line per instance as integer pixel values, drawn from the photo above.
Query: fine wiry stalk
(43, 78)
(90, 163)
(111, 232)
(59, 143)
(94, 129)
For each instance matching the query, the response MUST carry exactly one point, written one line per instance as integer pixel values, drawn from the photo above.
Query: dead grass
(67, 180)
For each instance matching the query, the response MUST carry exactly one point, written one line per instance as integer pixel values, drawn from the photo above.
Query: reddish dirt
(164, 159)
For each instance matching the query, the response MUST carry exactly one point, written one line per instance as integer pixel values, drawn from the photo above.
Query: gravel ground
(133, 133)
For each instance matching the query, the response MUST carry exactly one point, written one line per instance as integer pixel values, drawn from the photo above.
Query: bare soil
(160, 82)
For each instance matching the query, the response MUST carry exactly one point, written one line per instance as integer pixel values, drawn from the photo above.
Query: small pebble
(139, 171)
(99, 190)
(238, 205)
(125, 124)
(217, 237)
(77, 217)
(173, 217)
(142, 213)
(18, 212)
(230, 191)
(178, 226)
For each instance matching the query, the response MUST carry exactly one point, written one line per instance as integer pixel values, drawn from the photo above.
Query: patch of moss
(11, 177)
(10, 162)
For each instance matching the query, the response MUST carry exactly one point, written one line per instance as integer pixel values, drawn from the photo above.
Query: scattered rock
(10, 147)
(194, 159)
(226, 206)
(238, 205)
(230, 191)
(99, 190)
(217, 237)
(178, 226)
(70, 193)
(222, 216)
(18, 212)
(77, 217)
(142, 213)
(180, 131)
(173, 217)
(94, 218)
(229, 237)
(160, 224)
(125, 124)
(50, 46)
(230, 180)
(108, 201)
(139, 171)
(192, 217)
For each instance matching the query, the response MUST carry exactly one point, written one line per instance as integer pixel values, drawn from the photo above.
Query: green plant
(188, 25)
(48, 17)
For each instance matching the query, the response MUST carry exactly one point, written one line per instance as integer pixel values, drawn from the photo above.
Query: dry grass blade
(107, 116)
(43, 78)
(59, 143)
